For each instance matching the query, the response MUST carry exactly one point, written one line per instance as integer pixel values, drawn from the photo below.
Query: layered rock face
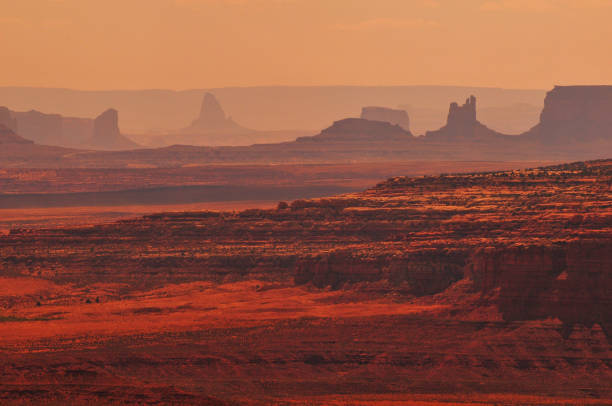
(393, 116)
(576, 113)
(419, 274)
(568, 281)
(212, 119)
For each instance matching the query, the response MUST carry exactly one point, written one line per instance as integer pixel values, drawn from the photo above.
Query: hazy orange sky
(179, 44)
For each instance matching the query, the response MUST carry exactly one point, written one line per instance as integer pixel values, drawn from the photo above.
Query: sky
(183, 44)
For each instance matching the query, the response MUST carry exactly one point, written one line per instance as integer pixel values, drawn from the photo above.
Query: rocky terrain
(488, 287)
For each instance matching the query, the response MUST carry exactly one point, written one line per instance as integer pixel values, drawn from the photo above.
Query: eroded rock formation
(211, 113)
(576, 114)
(462, 126)
(359, 140)
(393, 116)
(462, 116)
(106, 134)
(212, 119)
(106, 125)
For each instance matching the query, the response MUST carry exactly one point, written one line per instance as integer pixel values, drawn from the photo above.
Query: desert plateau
(420, 289)
(305, 202)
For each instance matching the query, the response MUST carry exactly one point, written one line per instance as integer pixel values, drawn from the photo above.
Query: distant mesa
(213, 128)
(393, 116)
(39, 127)
(271, 108)
(212, 119)
(70, 132)
(106, 134)
(106, 125)
(575, 124)
(575, 114)
(361, 130)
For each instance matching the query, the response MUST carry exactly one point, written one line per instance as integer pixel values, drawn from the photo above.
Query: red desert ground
(294, 227)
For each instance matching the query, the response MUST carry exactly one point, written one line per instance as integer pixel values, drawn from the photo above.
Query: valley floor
(257, 343)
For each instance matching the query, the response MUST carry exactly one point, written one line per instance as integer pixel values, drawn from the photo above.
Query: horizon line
(276, 86)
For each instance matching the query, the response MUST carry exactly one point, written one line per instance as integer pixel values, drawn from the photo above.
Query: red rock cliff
(571, 282)
(576, 113)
